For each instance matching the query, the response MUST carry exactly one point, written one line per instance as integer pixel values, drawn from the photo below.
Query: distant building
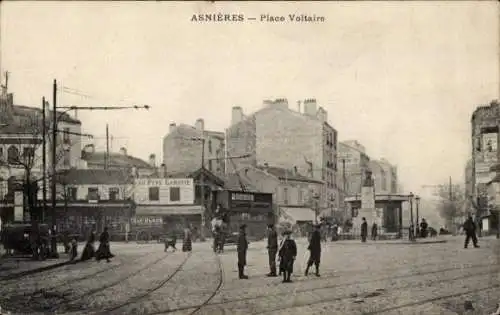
(182, 148)
(385, 176)
(119, 161)
(353, 160)
(289, 139)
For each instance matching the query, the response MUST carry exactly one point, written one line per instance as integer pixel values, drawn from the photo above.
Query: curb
(36, 270)
(389, 243)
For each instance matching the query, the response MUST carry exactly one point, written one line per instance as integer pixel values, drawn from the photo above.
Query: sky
(402, 78)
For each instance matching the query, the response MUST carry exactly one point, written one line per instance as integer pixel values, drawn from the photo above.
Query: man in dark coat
(272, 249)
(470, 232)
(364, 230)
(374, 231)
(287, 254)
(315, 250)
(242, 247)
(423, 228)
(104, 251)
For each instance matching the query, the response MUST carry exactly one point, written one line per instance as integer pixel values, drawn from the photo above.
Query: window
(66, 139)
(93, 193)
(154, 193)
(210, 146)
(210, 165)
(285, 196)
(67, 159)
(114, 193)
(300, 197)
(1, 154)
(28, 154)
(13, 154)
(72, 193)
(175, 194)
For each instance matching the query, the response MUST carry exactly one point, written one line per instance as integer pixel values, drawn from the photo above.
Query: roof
(22, 110)
(232, 182)
(297, 214)
(283, 173)
(115, 159)
(94, 177)
(191, 131)
(195, 174)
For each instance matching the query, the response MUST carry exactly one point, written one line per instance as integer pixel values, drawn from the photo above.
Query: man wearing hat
(315, 250)
(272, 249)
(287, 254)
(242, 252)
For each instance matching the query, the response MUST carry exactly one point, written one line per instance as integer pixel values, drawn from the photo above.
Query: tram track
(210, 304)
(148, 292)
(91, 292)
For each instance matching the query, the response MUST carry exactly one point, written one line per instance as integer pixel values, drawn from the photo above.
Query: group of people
(285, 252)
(187, 241)
(89, 252)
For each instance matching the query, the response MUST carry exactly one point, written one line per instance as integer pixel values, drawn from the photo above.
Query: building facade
(184, 146)
(289, 139)
(385, 176)
(484, 123)
(297, 198)
(353, 162)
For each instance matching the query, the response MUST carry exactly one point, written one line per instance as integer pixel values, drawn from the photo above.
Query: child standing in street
(287, 254)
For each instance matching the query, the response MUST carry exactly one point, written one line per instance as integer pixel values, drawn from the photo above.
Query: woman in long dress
(187, 243)
(104, 251)
(89, 250)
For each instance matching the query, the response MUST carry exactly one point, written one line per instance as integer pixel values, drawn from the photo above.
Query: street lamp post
(412, 227)
(417, 227)
(316, 208)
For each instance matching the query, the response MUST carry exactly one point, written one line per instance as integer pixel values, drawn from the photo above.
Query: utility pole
(53, 182)
(106, 157)
(344, 184)
(44, 158)
(202, 187)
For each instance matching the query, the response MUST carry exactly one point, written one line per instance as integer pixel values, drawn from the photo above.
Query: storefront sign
(164, 182)
(242, 197)
(147, 220)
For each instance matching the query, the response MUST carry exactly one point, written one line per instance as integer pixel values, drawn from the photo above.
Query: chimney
(237, 115)
(171, 127)
(310, 107)
(281, 102)
(123, 151)
(152, 160)
(200, 124)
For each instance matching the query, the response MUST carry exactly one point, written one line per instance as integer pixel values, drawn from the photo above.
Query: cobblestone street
(355, 279)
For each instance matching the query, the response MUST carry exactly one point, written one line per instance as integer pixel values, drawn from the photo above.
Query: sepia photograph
(250, 157)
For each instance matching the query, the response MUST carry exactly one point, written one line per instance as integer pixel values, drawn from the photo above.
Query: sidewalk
(14, 267)
(384, 242)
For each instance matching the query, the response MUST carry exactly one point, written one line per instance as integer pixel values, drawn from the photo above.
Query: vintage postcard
(258, 157)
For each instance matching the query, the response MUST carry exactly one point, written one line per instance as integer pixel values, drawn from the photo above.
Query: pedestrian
(104, 251)
(73, 252)
(364, 230)
(171, 241)
(335, 232)
(187, 245)
(314, 250)
(374, 231)
(89, 249)
(242, 248)
(272, 249)
(423, 228)
(287, 255)
(470, 232)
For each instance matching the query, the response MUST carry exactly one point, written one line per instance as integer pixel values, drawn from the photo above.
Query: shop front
(255, 209)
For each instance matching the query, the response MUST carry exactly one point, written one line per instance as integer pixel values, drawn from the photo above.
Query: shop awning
(166, 210)
(297, 214)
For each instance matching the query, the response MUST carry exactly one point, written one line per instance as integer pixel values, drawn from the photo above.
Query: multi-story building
(183, 148)
(21, 148)
(297, 198)
(353, 162)
(385, 176)
(287, 139)
(485, 140)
